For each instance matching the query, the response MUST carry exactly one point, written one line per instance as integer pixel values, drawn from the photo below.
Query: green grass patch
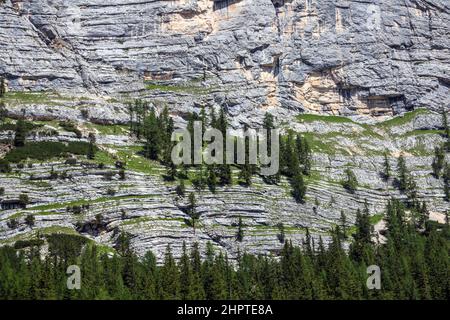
(404, 118)
(315, 117)
(29, 97)
(190, 88)
(81, 202)
(109, 129)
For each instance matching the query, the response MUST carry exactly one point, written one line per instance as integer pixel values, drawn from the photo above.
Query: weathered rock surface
(148, 207)
(364, 59)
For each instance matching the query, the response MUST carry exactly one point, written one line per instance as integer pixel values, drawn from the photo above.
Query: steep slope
(337, 57)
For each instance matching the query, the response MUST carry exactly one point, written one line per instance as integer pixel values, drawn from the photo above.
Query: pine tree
(403, 174)
(386, 167)
(304, 152)
(30, 220)
(152, 134)
(438, 263)
(240, 232)
(245, 175)
(3, 112)
(198, 292)
(91, 149)
(446, 177)
(222, 122)
(212, 178)
(169, 286)
(282, 233)
(225, 175)
(438, 161)
(2, 87)
(361, 248)
(181, 188)
(186, 276)
(192, 210)
(343, 224)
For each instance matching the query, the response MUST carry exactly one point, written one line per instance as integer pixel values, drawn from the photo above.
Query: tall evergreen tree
(20, 133)
(438, 161)
(169, 286)
(152, 135)
(386, 167)
(2, 87)
(240, 232)
(298, 187)
(193, 213)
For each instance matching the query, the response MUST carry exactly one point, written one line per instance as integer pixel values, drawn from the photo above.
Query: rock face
(148, 207)
(338, 57)
(81, 60)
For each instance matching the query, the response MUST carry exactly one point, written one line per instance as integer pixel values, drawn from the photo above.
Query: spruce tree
(91, 148)
(212, 178)
(30, 220)
(305, 155)
(225, 175)
(2, 87)
(245, 175)
(386, 167)
(181, 188)
(192, 210)
(186, 276)
(152, 134)
(298, 187)
(402, 174)
(438, 161)
(343, 224)
(20, 133)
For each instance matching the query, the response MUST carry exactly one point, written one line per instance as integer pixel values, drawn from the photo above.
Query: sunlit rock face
(371, 58)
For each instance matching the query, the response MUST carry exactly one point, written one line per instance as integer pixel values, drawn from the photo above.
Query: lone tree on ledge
(2, 84)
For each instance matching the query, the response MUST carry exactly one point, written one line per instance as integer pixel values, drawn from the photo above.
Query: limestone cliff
(338, 57)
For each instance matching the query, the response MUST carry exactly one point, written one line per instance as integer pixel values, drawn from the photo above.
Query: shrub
(122, 174)
(12, 223)
(71, 161)
(108, 175)
(120, 165)
(70, 127)
(24, 199)
(181, 189)
(5, 167)
(111, 191)
(2, 191)
(350, 183)
(20, 165)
